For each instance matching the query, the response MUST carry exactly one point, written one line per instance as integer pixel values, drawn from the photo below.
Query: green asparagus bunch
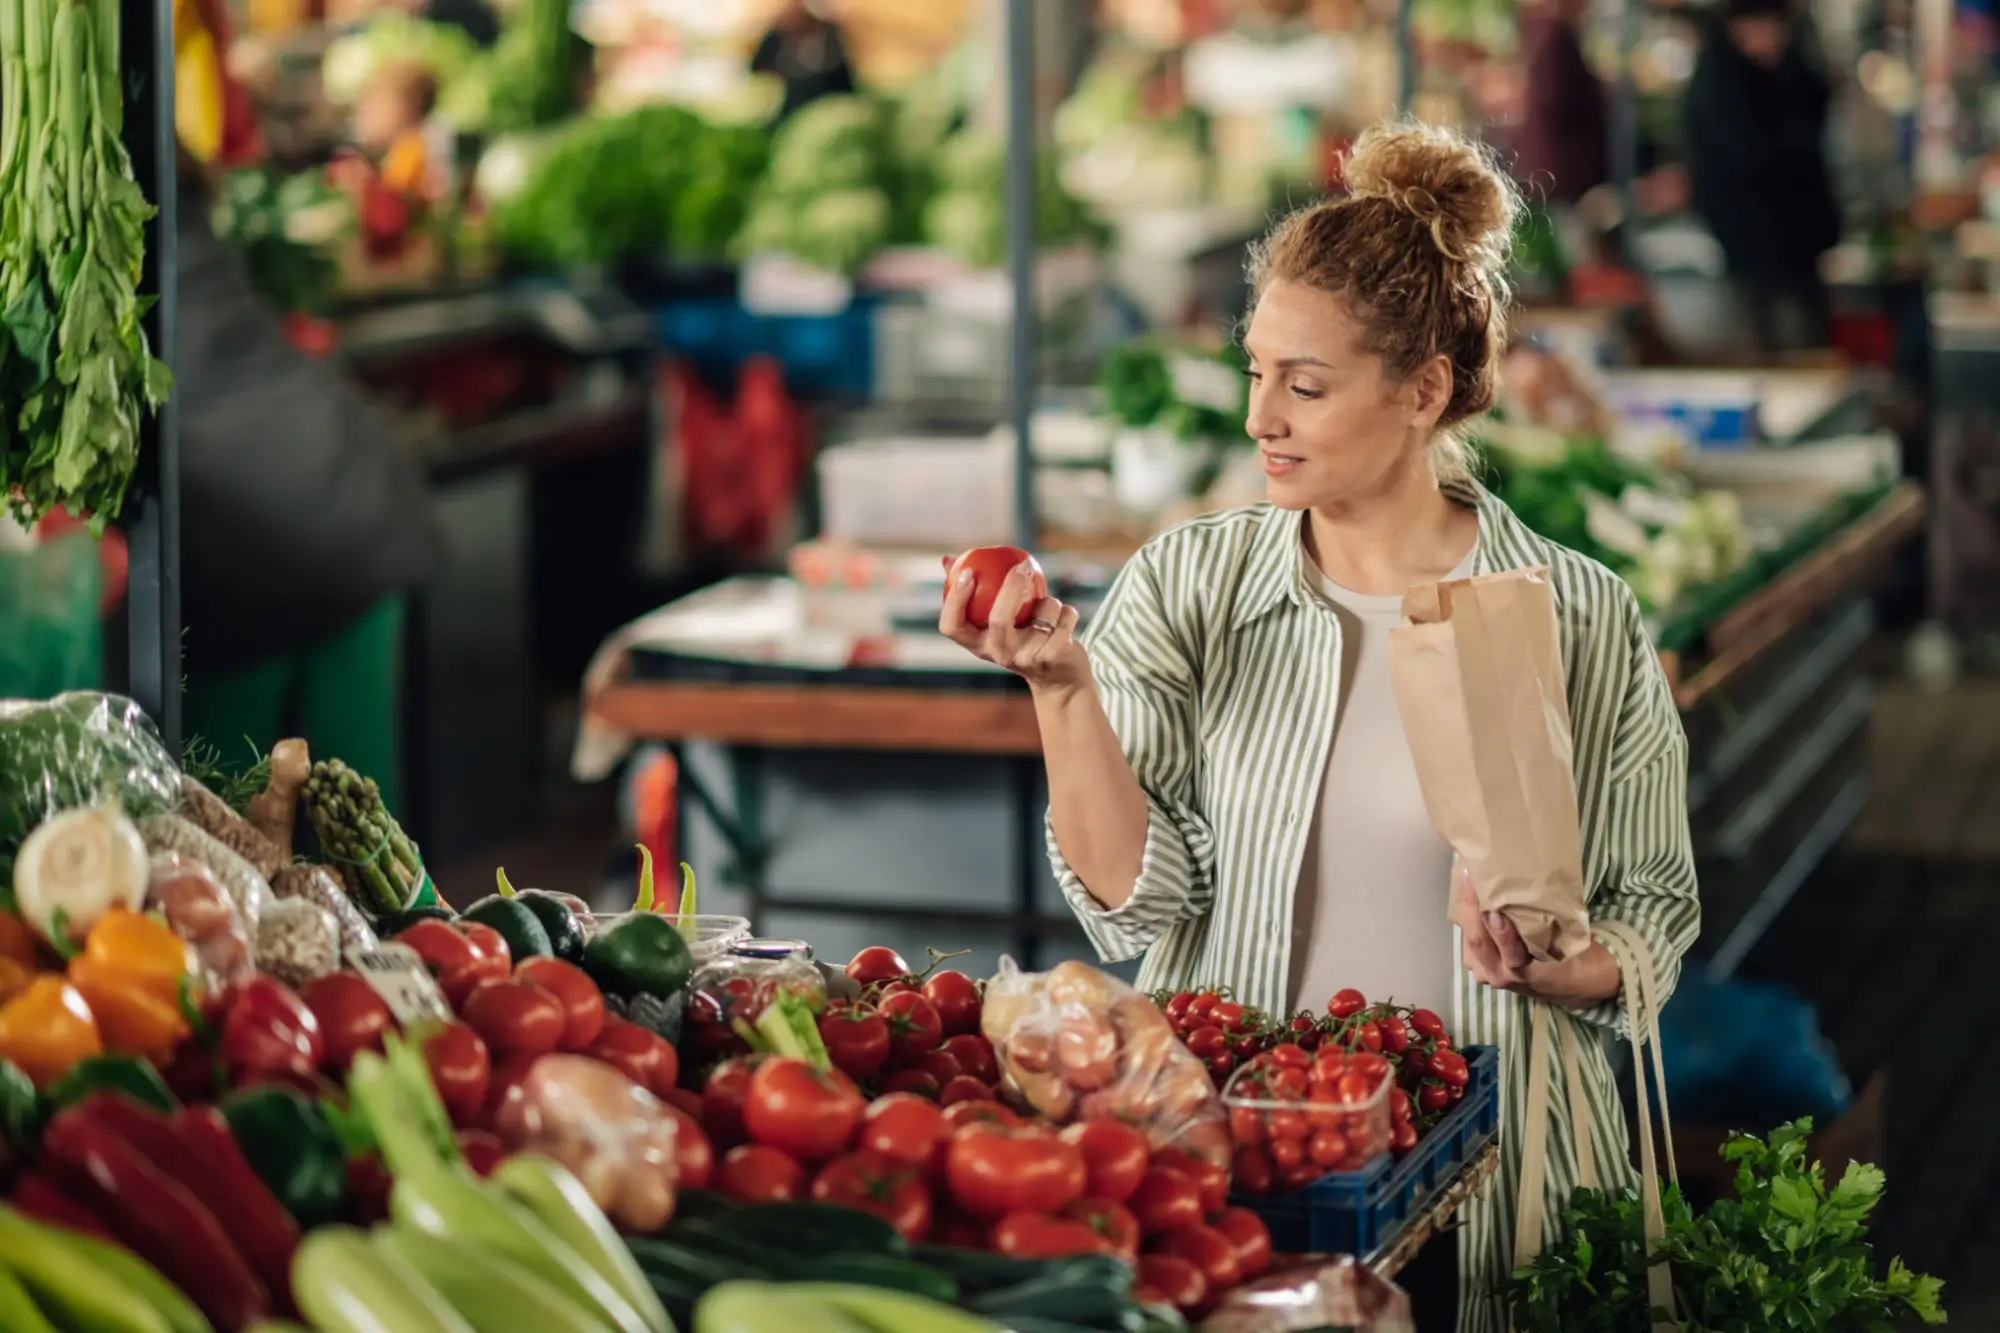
(377, 864)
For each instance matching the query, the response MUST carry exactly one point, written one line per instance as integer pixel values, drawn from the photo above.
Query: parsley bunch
(1787, 1255)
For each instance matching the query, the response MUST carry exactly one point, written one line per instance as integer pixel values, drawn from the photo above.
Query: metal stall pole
(1406, 57)
(1023, 142)
(153, 530)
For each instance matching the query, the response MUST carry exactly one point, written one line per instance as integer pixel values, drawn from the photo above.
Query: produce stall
(239, 1084)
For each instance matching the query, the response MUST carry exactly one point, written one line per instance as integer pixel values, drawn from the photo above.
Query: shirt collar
(1275, 575)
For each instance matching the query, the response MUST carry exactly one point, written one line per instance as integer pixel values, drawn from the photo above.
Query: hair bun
(1446, 182)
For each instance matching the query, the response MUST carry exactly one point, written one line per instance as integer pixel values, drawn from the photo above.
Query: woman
(1230, 791)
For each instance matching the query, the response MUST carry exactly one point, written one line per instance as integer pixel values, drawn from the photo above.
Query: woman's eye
(1301, 391)
(1253, 376)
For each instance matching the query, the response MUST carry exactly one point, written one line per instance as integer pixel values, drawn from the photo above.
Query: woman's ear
(1427, 392)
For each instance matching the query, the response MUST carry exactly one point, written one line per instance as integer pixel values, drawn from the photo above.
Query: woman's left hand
(1496, 957)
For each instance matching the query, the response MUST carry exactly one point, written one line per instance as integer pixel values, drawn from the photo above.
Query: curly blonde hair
(1418, 250)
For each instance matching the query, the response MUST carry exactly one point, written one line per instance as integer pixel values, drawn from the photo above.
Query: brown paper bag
(1477, 670)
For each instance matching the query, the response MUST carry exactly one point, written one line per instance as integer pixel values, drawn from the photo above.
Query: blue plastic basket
(830, 355)
(1359, 1212)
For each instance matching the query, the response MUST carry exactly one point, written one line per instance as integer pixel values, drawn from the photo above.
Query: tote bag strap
(1554, 1025)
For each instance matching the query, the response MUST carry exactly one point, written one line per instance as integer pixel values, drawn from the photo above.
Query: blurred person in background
(1565, 132)
(807, 50)
(1755, 123)
(304, 523)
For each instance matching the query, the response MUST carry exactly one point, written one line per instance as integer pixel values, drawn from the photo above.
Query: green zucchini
(705, 1237)
(659, 1257)
(979, 1270)
(811, 1228)
(1082, 1293)
(873, 1270)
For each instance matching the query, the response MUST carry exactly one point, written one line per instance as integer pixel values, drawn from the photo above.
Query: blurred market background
(700, 325)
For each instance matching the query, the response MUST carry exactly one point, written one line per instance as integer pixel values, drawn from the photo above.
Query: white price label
(399, 976)
(1208, 384)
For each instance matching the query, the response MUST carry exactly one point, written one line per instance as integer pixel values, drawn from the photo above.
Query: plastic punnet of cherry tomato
(1296, 1115)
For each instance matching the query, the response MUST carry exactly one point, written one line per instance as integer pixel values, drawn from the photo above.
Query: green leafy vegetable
(1787, 1255)
(76, 374)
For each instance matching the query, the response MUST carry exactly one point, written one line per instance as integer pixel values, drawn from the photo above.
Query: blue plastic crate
(1358, 1212)
(832, 355)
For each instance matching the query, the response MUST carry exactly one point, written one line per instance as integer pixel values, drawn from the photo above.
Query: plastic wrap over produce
(614, 1135)
(78, 749)
(1338, 1296)
(1076, 1044)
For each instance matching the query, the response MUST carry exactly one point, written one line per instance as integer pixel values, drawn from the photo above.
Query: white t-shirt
(1375, 882)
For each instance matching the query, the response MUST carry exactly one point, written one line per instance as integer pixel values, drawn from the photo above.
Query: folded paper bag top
(1478, 675)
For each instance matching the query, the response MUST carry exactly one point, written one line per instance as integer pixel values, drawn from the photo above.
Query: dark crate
(1359, 1212)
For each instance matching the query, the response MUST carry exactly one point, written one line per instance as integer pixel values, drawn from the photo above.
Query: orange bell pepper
(131, 972)
(47, 1028)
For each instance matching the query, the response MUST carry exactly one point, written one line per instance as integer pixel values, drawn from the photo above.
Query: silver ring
(1045, 626)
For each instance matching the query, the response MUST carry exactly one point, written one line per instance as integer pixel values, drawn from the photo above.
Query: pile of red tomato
(976, 1174)
(1295, 1115)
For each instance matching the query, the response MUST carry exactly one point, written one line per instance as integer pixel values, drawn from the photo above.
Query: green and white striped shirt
(1220, 672)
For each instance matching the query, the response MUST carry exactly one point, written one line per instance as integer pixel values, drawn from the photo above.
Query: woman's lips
(1281, 465)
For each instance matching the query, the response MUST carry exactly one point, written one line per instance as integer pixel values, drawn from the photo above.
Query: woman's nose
(1261, 422)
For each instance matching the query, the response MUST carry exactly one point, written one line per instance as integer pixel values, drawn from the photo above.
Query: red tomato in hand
(753, 1173)
(996, 1171)
(582, 1002)
(352, 1017)
(974, 1055)
(1032, 1235)
(643, 1056)
(914, 1026)
(880, 1186)
(808, 1113)
(990, 566)
(722, 1098)
(857, 1041)
(461, 1069)
(1117, 1231)
(1173, 1280)
(1166, 1200)
(1211, 1181)
(1252, 1239)
(876, 963)
(955, 996)
(1208, 1250)
(515, 1017)
(694, 1156)
(904, 1127)
(1115, 1156)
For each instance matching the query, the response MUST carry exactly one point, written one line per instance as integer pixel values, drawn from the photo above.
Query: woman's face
(1332, 425)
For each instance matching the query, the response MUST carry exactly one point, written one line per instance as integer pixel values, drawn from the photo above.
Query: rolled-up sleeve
(1146, 679)
(1650, 880)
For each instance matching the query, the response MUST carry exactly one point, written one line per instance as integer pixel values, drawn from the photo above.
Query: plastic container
(1359, 1212)
(739, 985)
(714, 934)
(1338, 1122)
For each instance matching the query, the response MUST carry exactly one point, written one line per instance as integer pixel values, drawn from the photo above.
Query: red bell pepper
(267, 1029)
(155, 1217)
(239, 1199)
(40, 1198)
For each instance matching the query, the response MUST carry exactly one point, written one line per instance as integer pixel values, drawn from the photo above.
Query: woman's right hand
(1044, 652)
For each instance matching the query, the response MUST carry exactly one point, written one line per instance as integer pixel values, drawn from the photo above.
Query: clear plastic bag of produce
(1295, 1116)
(298, 942)
(1338, 1296)
(77, 749)
(739, 986)
(200, 910)
(250, 891)
(1076, 1044)
(616, 1137)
